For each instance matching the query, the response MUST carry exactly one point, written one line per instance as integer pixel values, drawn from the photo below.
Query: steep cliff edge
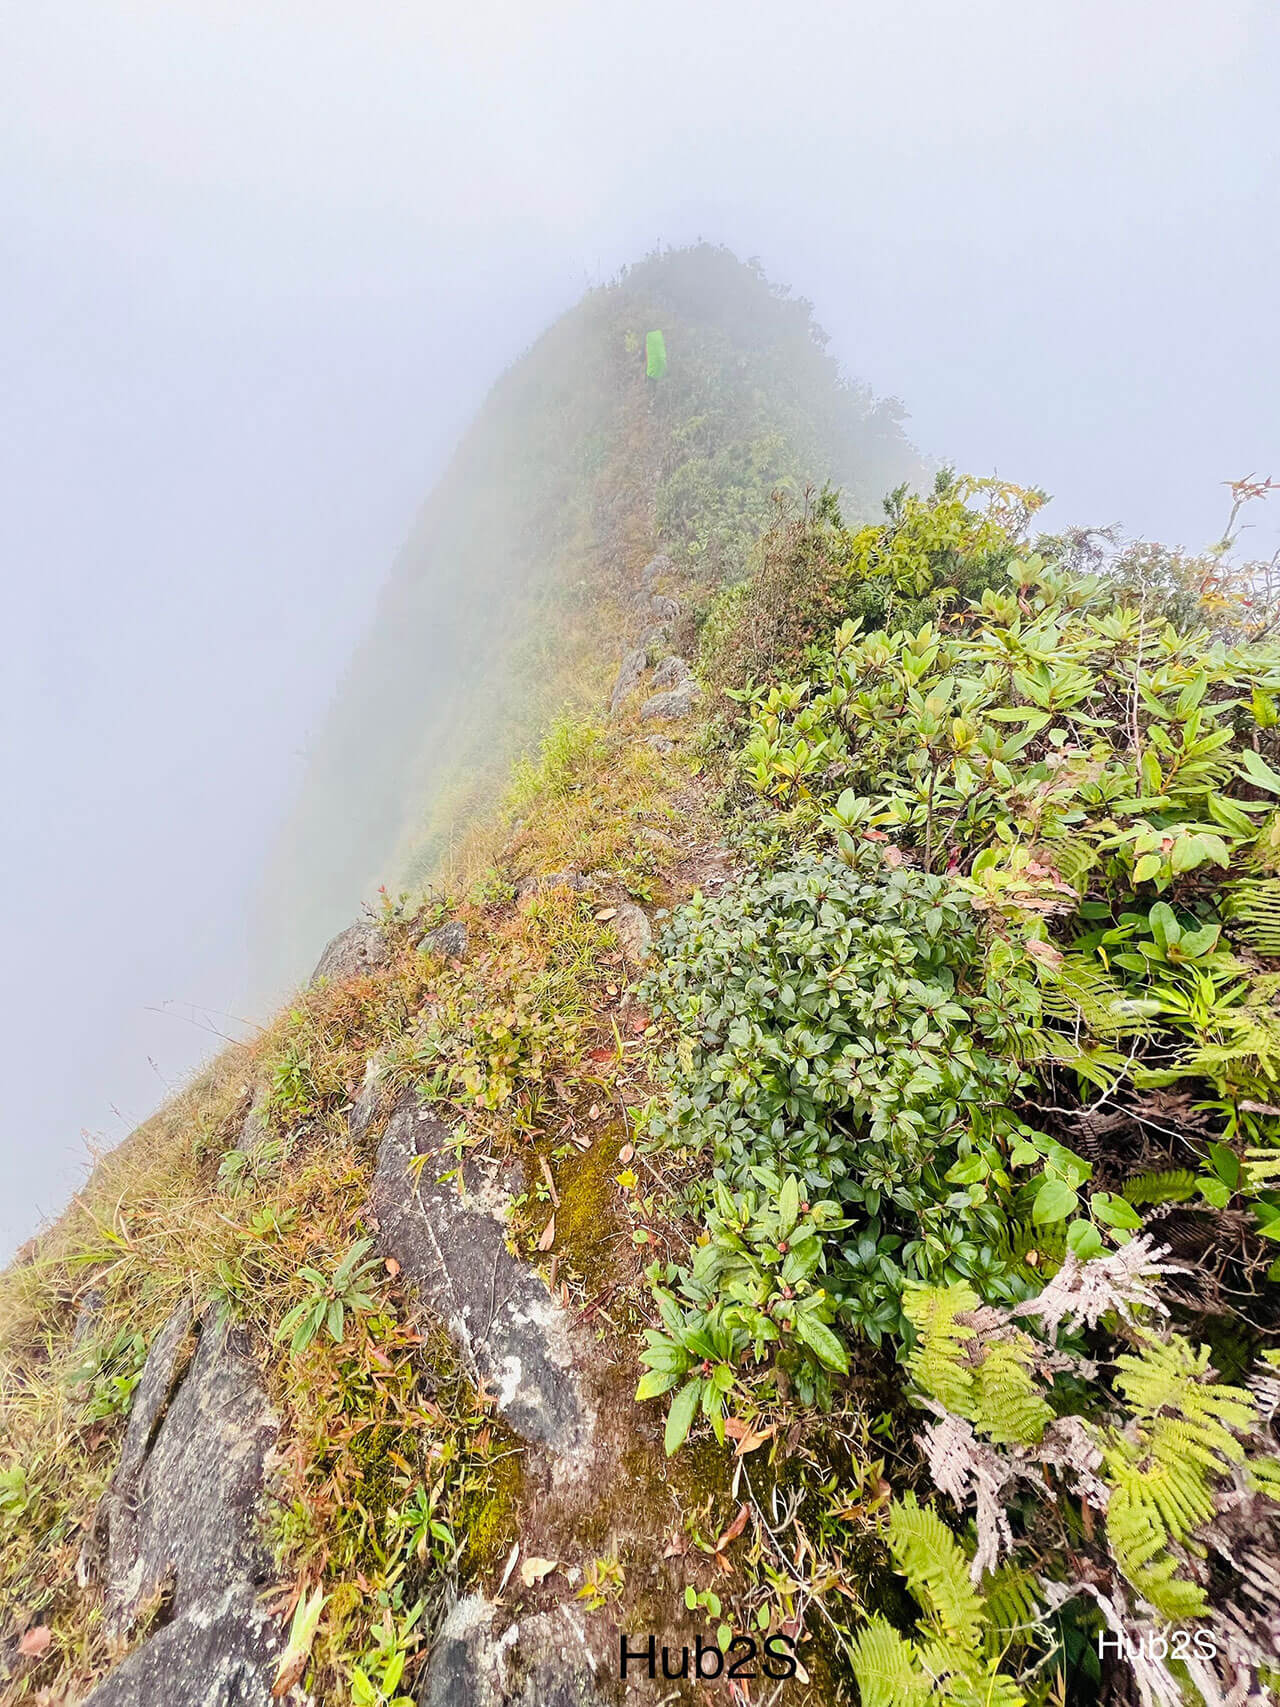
(322, 1329)
(496, 614)
(785, 1212)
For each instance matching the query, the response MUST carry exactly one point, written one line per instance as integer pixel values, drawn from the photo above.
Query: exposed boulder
(540, 1661)
(88, 1316)
(177, 1529)
(655, 568)
(451, 1245)
(226, 1656)
(656, 607)
(450, 941)
(655, 640)
(254, 1130)
(671, 672)
(676, 702)
(368, 1097)
(634, 665)
(631, 926)
(360, 948)
(527, 887)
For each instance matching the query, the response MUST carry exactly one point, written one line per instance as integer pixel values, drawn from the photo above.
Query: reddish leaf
(735, 1528)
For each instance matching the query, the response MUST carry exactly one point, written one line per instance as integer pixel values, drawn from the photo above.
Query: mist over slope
(805, 1175)
(575, 465)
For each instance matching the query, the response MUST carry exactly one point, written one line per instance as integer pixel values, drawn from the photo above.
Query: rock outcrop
(655, 569)
(450, 1240)
(360, 948)
(675, 703)
(528, 887)
(634, 932)
(540, 1661)
(177, 1531)
(633, 666)
(671, 672)
(450, 941)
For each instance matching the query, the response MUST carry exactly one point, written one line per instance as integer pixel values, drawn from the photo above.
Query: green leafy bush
(748, 1297)
(839, 1023)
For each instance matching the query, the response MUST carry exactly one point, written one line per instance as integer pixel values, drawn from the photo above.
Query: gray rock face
(224, 1657)
(656, 607)
(541, 1661)
(255, 1129)
(676, 702)
(671, 672)
(450, 941)
(634, 665)
(655, 640)
(360, 948)
(177, 1527)
(656, 568)
(87, 1317)
(452, 1247)
(529, 886)
(634, 932)
(367, 1097)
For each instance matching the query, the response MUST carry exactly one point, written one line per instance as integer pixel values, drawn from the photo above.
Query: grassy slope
(564, 483)
(494, 616)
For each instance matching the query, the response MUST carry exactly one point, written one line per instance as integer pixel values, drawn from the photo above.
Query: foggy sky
(259, 263)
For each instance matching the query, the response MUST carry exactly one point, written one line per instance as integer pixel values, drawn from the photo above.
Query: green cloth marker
(655, 355)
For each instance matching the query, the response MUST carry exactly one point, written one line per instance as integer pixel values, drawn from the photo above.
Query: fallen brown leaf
(748, 1438)
(735, 1528)
(35, 1641)
(548, 1235)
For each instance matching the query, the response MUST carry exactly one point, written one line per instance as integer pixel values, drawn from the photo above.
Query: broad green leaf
(684, 1407)
(820, 1339)
(1084, 1240)
(1055, 1200)
(1258, 771)
(656, 1382)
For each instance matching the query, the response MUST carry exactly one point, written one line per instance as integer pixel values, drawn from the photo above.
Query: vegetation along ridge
(800, 1167)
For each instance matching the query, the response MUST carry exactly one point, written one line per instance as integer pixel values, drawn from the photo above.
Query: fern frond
(937, 1571)
(1173, 1379)
(1011, 1410)
(1097, 1063)
(1014, 1612)
(1074, 857)
(937, 1361)
(1263, 1475)
(987, 1380)
(1049, 1243)
(1183, 1437)
(1171, 1185)
(1080, 994)
(1251, 908)
(888, 1668)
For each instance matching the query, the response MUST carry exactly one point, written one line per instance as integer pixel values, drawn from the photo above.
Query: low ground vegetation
(933, 1162)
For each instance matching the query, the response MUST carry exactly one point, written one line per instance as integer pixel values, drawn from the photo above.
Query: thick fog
(258, 264)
